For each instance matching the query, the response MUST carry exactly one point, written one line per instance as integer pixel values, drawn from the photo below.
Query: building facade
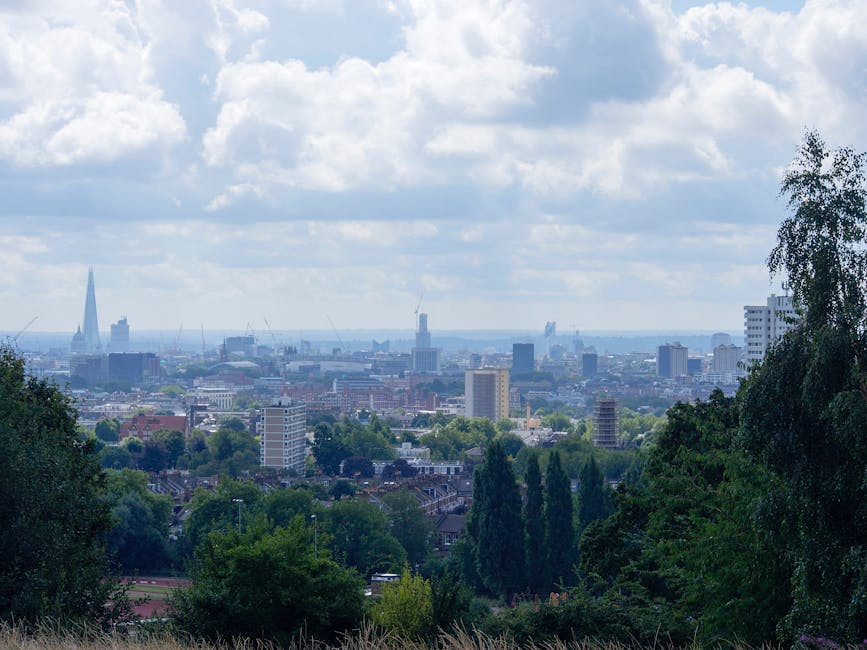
(726, 358)
(523, 357)
(424, 357)
(282, 428)
(589, 364)
(764, 324)
(605, 423)
(119, 341)
(671, 360)
(486, 392)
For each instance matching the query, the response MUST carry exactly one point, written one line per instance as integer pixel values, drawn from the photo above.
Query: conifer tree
(499, 545)
(559, 533)
(534, 526)
(592, 497)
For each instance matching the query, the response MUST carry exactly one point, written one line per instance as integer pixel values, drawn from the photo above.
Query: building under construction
(605, 423)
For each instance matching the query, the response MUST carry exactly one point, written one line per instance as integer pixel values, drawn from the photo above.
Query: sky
(606, 164)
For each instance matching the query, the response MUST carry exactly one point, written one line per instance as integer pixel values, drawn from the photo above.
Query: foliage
(53, 516)
(409, 524)
(267, 586)
(592, 495)
(496, 517)
(174, 443)
(559, 534)
(405, 607)
(398, 468)
(107, 429)
(138, 537)
(558, 422)
(358, 466)
(230, 450)
(218, 511)
(534, 527)
(361, 538)
(449, 442)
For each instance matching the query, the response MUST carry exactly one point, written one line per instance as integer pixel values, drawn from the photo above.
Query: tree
(804, 410)
(559, 534)
(409, 524)
(358, 465)
(174, 443)
(405, 607)
(499, 552)
(398, 468)
(267, 586)
(107, 429)
(361, 538)
(137, 540)
(328, 449)
(592, 495)
(53, 517)
(534, 526)
(217, 510)
(558, 422)
(154, 457)
(115, 457)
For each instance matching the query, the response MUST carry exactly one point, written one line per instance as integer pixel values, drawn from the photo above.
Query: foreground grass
(13, 638)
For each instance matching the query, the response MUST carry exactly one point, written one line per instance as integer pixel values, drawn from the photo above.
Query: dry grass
(46, 638)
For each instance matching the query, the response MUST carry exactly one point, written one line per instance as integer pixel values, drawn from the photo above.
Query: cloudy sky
(608, 164)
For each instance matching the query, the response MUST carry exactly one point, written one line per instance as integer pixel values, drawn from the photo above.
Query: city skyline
(612, 166)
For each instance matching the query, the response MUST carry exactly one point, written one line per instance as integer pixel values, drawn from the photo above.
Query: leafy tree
(559, 534)
(107, 429)
(592, 495)
(504, 425)
(137, 540)
(217, 510)
(53, 517)
(328, 449)
(154, 457)
(405, 607)
(174, 442)
(282, 506)
(558, 422)
(361, 538)
(342, 488)
(267, 586)
(451, 601)
(358, 466)
(409, 524)
(512, 443)
(115, 457)
(398, 468)
(804, 409)
(534, 526)
(499, 552)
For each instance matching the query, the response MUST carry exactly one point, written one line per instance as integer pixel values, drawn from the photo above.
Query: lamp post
(315, 545)
(239, 502)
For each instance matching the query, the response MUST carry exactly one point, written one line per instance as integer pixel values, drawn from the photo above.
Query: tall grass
(368, 638)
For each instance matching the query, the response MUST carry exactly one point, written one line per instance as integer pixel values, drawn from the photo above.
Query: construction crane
(24, 329)
(336, 333)
(203, 340)
(417, 307)
(178, 338)
(277, 345)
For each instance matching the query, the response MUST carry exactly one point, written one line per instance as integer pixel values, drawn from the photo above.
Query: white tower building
(764, 324)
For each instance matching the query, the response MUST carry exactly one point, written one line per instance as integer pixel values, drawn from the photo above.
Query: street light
(239, 502)
(315, 548)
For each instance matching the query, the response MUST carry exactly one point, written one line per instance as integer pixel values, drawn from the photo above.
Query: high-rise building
(589, 364)
(282, 429)
(764, 324)
(486, 393)
(424, 357)
(605, 423)
(119, 336)
(133, 367)
(726, 358)
(523, 357)
(91, 323)
(671, 360)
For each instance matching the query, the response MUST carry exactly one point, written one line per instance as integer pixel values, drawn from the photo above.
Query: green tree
(328, 449)
(409, 524)
(282, 506)
(361, 538)
(137, 540)
(804, 409)
(115, 457)
(217, 510)
(499, 552)
(267, 586)
(559, 533)
(558, 422)
(53, 517)
(174, 442)
(107, 429)
(534, 526)
(592, 495)
(405, 607)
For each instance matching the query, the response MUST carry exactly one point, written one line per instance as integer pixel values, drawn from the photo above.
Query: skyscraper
(671, 361)
(91, 324)
(424, 357)
(764, 324)
(486, 393)
(120, 336)
(523, 357)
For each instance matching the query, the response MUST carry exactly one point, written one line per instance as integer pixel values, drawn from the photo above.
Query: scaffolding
(605, 423)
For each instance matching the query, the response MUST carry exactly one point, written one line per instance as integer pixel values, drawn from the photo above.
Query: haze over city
(612, 165)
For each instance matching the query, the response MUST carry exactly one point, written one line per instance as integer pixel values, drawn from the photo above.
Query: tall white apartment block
(764, 324)
(282, 428)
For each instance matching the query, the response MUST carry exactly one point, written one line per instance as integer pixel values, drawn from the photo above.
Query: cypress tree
(559, 533)
(497, 512)
(592, 497)
(534, 527)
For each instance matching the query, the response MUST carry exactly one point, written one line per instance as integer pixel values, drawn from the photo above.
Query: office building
(671, 361)
(726, 358)
(694, 366)
(764, 324)
(486, 393)
(605, 423)
(244, 345)
(282, 429)
(589, 364)
(424, 357)
(523, 359)
(119, 341)
(133, 367)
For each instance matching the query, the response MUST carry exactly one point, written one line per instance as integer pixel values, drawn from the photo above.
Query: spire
(91, 324)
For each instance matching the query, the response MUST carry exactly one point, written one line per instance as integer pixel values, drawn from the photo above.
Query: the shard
(91, 323)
